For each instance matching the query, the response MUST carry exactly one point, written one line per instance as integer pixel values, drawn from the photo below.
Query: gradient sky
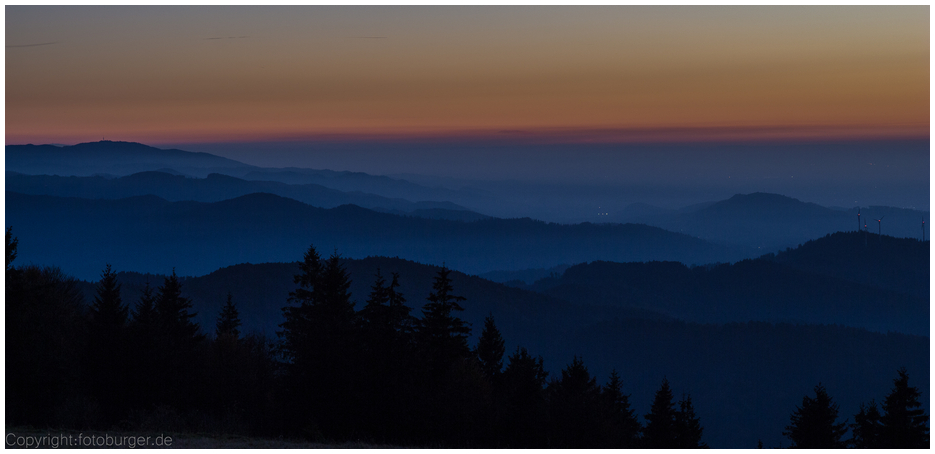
(163, 75)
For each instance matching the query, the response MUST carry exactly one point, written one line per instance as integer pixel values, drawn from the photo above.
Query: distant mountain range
(770, 222)
(116, 159)
(759, 222)
(150, 234)
(216, 187)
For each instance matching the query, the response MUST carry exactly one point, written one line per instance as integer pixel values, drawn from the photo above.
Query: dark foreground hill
(745, 379)
(884, 262)
(149, 234)
(217, 187)
(882, 286)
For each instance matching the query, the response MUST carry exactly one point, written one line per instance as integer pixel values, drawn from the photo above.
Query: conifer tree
(525, 405)
(814, 426)
(229, 320)
(687, 426)
(296, 329)
(575, 408)
(11, 244)
(108, 313)
(176, 353)
(904, 422)
(333, 294)
(105, 360)
(622, 427)
(866, 427)
(490, 349)
(144, 314)
(172, 311)
(442, 335)
(399, 312)
(322, 347)
(373, 312)
(660, 430)
(144, 347)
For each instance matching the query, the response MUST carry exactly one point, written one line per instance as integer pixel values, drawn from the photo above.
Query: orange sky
(188, 74)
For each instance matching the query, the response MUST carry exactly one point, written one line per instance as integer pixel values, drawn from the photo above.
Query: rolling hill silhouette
(217, 187)
(110, 157)
(150, 234)
(772, 222)
(116, 159)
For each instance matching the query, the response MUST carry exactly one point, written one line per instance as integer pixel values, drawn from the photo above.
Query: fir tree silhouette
(11, 245)
(622, 429)
(660, 430)
(687, 426)
(490, 350)
(813, 425)
(322, 347)
(904, 422)
(866, 427)
(228, 323)
(525, 401)
(441, 334)
(106, 357)
(575, 408)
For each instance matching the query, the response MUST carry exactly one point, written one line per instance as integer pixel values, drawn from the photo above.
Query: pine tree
(172, 311)
(145, 341)
(904, 422)
(105, 360)
(660, 430)
(229, 320)
(108, 313)
(11, 244)
(525, 405)
(575, 408)
(321, 345)
(386, 311)
(442, 335)
(144, 314)
(333, 294)
(814, 424)
(622, 427)
(490, 349)
(687, 426)
(297, 328)
(399, 312)
(866, 427)
(45, 343)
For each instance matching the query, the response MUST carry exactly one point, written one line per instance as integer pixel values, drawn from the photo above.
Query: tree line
(335, 373)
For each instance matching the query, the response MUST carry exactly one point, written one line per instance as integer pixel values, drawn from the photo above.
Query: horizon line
(533, 136)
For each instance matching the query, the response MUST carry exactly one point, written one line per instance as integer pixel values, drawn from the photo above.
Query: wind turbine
(858, 219)
(879, 226)
(923, 230)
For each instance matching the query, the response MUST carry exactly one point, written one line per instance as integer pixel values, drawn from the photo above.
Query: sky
(618, 74)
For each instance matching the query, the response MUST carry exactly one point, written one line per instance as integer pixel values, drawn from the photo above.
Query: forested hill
(744, 378)
(150, 234)
(825, 281)
(896, 264)
(262, 290)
